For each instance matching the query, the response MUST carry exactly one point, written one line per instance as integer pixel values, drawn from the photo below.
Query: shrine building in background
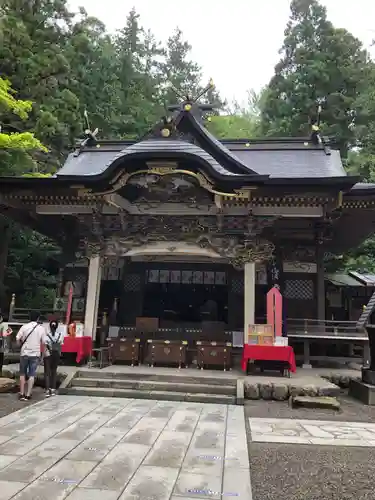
(184, 228)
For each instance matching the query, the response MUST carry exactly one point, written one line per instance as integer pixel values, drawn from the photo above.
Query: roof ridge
(213, 146)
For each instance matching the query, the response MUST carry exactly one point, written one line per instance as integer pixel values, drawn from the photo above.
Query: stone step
(154, 385)
(171, 377)
(320, 402)
(159, 395)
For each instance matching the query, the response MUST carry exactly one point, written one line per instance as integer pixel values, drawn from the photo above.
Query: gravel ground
(9, 402)
(351, 411)
(299, 472)
(309, 472)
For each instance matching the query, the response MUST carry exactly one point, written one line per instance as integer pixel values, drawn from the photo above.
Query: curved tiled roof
(293, 163)
(213, 146)
(282, 158)
(95, 162)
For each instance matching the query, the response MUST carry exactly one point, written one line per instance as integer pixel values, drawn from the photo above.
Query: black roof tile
(301, 163)
(95, 161)
(278, 158)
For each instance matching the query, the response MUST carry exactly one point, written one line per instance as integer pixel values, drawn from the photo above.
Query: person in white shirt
(52, 353)
(30, 337)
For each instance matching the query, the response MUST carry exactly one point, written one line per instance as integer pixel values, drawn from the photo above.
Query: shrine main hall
(183, 228)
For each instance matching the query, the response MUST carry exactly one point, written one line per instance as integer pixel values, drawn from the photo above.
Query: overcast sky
(235, 41)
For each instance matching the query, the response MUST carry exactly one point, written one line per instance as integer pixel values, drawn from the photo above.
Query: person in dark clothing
(5, 332)
(2, 343)
(52, 356)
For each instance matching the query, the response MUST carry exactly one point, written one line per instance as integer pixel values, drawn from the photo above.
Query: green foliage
(240, 122)
(15, 147)
(30, 273)
(24, 141)
(232, 127)
(8, 102)
(320, 64)
(66, 63)
(36, 174)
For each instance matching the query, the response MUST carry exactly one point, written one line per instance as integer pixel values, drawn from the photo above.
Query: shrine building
(185, 228)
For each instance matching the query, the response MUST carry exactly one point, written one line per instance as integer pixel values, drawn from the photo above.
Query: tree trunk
(5, 232)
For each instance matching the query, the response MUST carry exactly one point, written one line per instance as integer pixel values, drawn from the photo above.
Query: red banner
(275, 310)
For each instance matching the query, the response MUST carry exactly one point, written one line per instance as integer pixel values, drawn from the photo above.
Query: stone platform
(362, 391)
(268, 386)
(313, 432)
(78, 448)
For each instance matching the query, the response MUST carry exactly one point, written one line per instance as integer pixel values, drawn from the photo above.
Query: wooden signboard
(366, 314)
(260, 335)
(146, 325)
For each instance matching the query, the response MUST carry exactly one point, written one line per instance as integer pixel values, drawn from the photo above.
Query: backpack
(55, 345)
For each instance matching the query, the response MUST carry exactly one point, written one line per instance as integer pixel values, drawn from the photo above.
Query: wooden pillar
(249, 297)
(320, 285)
(92, 297)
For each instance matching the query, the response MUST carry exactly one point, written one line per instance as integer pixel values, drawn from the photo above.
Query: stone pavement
(79, 448)
(317, 432)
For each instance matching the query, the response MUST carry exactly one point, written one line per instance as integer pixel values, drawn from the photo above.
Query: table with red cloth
(81, 345)
(268, 353)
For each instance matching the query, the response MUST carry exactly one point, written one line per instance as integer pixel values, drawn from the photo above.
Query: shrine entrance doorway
(186, 293)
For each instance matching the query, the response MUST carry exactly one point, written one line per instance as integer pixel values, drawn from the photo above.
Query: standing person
(30, 337)
(2, 342)
(5, 331)
(52, 355)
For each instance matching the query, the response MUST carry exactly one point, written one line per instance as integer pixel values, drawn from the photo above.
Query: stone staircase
(202, 389)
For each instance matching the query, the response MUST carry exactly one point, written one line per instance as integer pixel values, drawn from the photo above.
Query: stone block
(117, 468)
(237, 484)
(9, 489)
(362, 391)
(265, 391)
(206, 461)
(252, 390)
(309, 390)
(169, 450)
(198, 486)
(240, 396)
(368, 376)
(90, 494)
(280, 392)
(295, 391)
(151, 483)
(324, 402)
(7, 385)
(236, 453)
(344, 382)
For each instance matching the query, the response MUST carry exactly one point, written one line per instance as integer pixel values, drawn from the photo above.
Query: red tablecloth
(268, 353)
(81, 345)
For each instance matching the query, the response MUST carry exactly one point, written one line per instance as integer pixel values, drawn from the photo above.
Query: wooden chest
(124, 350)
(166, 352)
(214, 354)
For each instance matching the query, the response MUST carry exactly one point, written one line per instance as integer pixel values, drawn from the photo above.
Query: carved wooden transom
(173, 188)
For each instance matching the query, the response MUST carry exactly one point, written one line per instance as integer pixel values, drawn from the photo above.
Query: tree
(15, 147)
(34, 35)
(15, 153)
(93, 79)
(137, 69)
(178, 69)
(65, 64)
(361, 161)
(319, 65)
(238, 121)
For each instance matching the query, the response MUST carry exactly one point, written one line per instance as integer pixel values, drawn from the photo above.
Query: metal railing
(323, 328)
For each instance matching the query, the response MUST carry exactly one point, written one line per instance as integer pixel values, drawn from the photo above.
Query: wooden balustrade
(322, 328)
